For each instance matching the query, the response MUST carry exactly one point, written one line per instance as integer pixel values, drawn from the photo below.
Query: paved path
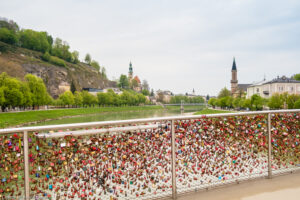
(285, 187)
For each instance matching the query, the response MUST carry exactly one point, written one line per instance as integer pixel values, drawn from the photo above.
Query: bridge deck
(280, 187)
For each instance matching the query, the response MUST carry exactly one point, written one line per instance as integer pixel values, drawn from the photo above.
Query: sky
(175, 45)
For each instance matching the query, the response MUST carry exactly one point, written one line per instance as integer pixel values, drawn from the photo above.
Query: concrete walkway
(285, 187)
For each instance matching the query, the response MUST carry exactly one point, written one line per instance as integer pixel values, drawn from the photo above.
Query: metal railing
(192, 146)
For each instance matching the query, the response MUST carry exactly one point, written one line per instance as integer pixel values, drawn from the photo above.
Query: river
(120, 116)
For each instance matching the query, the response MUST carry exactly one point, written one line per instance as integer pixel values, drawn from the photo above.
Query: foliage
(297, 104)
(67, 98)
(96, 65)
(145, 92)
(38, 89)
(61, 50)
(275, 102)
(34, 40)
(178, 98)
(78, 100)
(8, 36)
(57, 61)
(296, 77)
(257, 102)
(291, 100)
(88, 59)
(224, 93)
(123, 82)
(103, 73)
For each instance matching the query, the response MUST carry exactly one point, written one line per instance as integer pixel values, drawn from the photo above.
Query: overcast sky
(174, 44)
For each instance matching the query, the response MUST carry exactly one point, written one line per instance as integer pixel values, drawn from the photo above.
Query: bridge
(152, 158)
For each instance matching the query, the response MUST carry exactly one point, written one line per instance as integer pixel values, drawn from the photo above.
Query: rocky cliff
(17, 62)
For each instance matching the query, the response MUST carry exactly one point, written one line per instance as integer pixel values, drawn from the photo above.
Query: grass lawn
(211, 111)
(18, 118)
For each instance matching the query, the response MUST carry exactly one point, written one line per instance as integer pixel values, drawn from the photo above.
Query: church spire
(233, 64)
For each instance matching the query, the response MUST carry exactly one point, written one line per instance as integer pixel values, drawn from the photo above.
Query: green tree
(103, 73)
(67, 98)
(257, 102)
(224, 93)
(88, 99)
(102, 98)
(38, 89)
(236, 103)
(96, 65)
(123, 82)
(34, 40)
(8, 36)
(75, 57)
(78, 100)
(297, 104)
(296, 77)
(246, 103)
(212, 102)
(146, 92)
(275, 102)
(291, 100)
(73, 88)
(88, 59)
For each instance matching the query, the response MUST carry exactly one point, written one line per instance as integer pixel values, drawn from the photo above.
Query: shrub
(8, 36)
(297, 104)
(57, 61)
(46, 56)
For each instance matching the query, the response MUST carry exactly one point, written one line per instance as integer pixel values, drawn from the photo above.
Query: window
(257, 90)
(292, 89)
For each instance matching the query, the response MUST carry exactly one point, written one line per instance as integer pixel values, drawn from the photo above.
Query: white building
(278, 85)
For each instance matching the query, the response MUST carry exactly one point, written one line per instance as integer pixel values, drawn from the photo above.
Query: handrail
(136, 121)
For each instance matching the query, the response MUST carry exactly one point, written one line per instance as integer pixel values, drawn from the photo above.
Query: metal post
(269, 147)
(174, 192)
(26, 165)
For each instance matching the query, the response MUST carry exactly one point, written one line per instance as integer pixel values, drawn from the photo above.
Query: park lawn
(19, 118)
(211, 111)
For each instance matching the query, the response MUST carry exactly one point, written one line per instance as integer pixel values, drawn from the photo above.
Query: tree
(75, 57)
(296, 77)
(246, 103)
(78, 99)
(146, 92)
(102, 98)
(134, 83)
(67, 98)
(275, 102)
(236, 103)
(88, 59)
(73, 88)
(38, 90)
(291, 99)
(123, 82)
(34, 40)
(8, 36)
(257, 102)
(103, 73)
(152, 93)
(96, 65)
(297, 104)
(212, 102)
(224, 93)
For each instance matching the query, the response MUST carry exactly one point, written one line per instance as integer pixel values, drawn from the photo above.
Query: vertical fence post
(173, 160)
(26, 165)
(269, 147)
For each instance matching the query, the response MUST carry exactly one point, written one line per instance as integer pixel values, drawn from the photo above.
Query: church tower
(234, 81)
(130, 73)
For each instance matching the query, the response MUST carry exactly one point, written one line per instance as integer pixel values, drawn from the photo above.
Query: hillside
(17, 62)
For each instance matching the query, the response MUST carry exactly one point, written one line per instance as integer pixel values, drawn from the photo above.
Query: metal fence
(146, 158)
